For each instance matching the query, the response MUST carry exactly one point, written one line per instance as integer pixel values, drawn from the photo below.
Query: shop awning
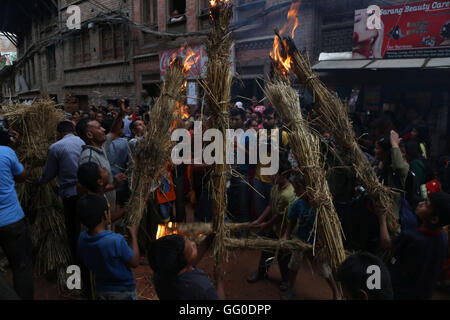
(396, 64)
(438, 63)
(341, 64)
(368, 64)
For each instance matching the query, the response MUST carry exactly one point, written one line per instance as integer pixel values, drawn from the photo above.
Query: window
(112, 40)
(81, 49)
(150, 13)
(177, 10)
(51, 63)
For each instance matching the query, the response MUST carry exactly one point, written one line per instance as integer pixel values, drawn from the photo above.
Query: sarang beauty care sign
(413, 30)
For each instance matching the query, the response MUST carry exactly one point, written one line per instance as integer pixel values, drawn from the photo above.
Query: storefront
(372, 82)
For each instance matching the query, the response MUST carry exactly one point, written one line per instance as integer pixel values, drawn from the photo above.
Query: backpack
(411, 191)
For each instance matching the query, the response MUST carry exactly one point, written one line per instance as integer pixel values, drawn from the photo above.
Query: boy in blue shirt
(302, 215)
(106, 254)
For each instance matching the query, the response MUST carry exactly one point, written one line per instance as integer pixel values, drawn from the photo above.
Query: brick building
(75, 67)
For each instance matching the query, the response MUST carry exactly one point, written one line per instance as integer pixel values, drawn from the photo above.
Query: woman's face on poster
(362, 33)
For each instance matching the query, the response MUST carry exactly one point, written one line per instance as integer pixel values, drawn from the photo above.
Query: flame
(166, 230)
(213, 3)
(188, 64)
(292, 20)
(180, 113)
(284, 63)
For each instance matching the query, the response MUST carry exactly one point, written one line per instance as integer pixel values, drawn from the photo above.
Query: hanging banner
(413, 30)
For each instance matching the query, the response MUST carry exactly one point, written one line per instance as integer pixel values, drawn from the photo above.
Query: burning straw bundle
(306, 149)
(36, 125)
(334, 118)
(153, 150)
(217, 96)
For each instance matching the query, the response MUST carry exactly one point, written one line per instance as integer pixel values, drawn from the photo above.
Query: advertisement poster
(165, 58)
(198, 70)
(413, 30)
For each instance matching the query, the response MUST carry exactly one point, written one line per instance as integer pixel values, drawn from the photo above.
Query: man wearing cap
(62, 163)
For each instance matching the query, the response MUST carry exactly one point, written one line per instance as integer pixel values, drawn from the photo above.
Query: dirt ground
(310, 285)
(241, 263)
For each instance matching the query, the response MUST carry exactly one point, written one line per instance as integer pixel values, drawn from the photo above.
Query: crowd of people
(92, 162)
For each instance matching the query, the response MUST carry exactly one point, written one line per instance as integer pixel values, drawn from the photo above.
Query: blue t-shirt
(106, 255)
(418, 259)
(10, 209)
(304, 213)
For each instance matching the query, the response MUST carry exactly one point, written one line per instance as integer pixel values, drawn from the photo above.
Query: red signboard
(412, 30)
(165, 57)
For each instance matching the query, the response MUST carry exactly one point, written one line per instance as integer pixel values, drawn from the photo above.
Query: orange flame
(169, 229)
(285, 63)
(213, 3)
(180, 113)
(166, 230)
(292, 20)
(193, 59)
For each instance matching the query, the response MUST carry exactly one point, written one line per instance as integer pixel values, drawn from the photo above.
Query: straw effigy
(333, 118)
(217, 86)
(205, 228)
(153, 150)
(36, 125)
(306, 149)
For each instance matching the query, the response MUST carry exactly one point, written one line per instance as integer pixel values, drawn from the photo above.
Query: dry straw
(36, 125)
(306, 149)
(334, 119)
(152, 152)
(217, 86)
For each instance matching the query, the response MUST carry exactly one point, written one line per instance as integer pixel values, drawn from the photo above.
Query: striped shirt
(62, 163)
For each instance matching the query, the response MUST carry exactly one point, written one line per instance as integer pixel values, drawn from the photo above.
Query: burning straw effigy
(217, 86)
(36, 125)
(333, 118)
(152, 152)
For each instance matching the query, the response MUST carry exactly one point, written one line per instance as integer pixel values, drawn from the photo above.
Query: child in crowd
(419, 254)
(173, 260)
(106, 254)
(302, 216)
(354, 274)
(272, 220)
(92, 178)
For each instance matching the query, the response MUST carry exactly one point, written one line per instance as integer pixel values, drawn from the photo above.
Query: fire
(165, 230)
(190, 60)
(180, 113)
(292, 20)
(213, 3)
(285, 63)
